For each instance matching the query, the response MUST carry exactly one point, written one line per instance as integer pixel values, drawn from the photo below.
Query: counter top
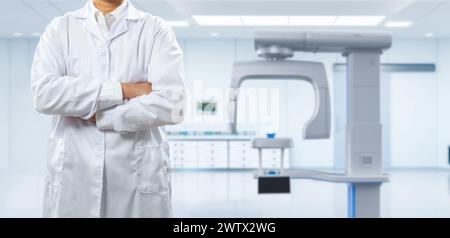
(209, 137)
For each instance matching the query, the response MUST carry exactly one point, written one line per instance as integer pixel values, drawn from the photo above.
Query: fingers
(144, 88)
(132, 90)
(92, 119)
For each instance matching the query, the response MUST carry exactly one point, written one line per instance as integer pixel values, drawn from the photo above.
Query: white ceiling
(29, 16)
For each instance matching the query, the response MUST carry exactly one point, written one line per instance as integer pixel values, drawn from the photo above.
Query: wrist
(125, 91)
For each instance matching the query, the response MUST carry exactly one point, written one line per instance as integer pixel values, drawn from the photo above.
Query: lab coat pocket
(73, 66)
(55, 161)
(151, 170)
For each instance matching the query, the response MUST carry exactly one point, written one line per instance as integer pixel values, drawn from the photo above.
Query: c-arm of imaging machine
(319, 124)
(363, 130)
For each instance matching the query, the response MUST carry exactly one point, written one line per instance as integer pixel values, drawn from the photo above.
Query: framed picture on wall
(206, 107)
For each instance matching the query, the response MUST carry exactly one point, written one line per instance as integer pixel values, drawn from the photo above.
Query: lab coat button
(103, 51)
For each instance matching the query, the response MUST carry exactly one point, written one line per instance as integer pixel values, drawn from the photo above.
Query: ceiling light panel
(204, 20)
(265, 20)
(218, 20)
(398, 24)
(312, 20)
(358, 20)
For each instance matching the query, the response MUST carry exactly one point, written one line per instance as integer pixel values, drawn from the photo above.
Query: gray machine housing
(313, 72)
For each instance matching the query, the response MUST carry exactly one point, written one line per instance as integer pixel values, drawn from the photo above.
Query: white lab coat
(118, 167)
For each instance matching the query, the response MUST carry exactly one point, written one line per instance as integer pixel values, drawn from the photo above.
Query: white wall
(28, 128)
(412, 116)
(443, 69)
(23, 131)
(208, 65)
(4, 105)
(413, 120)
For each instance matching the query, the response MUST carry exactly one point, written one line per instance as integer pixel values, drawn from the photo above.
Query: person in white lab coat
(112, 77)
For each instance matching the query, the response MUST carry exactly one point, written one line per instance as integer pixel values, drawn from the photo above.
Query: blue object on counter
(272, 173)
(270, 135)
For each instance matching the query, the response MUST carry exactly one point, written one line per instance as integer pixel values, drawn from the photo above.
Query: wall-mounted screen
(206, 107)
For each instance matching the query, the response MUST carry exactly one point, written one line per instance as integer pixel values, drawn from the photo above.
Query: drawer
(183, 152)
(212, 144)
(271, 153)
(244, 158)
(221, 165)
(189, 165)
(240, 144)
(241, 152)
(271, 159)
(213, 159)
(213, 151)
(183, 144)
(243, 165)
(184, 158)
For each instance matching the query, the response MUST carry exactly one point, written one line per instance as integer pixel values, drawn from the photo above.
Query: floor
(410, 193)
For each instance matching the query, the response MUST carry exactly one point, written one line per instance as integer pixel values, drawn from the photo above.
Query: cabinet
(242, 155)
(212, 154)
(222, 154)
(183, 154)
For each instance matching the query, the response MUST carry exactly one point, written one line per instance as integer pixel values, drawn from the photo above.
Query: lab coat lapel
(119, 29)
(132, 14)
(90, 24)
(92, 27)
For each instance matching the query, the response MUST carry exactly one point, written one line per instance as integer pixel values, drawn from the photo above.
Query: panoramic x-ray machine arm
(319, 124)
(363, 131)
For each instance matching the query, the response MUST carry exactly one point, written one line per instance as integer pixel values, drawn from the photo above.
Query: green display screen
(208, 107)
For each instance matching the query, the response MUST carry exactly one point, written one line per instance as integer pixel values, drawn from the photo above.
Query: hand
(132, 90)
(92, 119)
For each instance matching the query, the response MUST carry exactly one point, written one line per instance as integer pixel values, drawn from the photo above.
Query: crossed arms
(130, 91)
(157, 101)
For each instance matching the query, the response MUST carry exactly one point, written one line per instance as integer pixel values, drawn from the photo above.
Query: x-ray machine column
(363, 130)
(363, 137)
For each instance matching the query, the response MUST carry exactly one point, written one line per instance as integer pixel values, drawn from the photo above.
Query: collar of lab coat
(118, 13)
(131, 12)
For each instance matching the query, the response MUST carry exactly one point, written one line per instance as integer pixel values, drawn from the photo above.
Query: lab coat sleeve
(55, 92)
(165, 104)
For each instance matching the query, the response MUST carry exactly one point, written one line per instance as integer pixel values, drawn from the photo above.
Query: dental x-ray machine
(363, 130)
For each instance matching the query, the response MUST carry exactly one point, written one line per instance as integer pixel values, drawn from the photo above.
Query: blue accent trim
(351, 201)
